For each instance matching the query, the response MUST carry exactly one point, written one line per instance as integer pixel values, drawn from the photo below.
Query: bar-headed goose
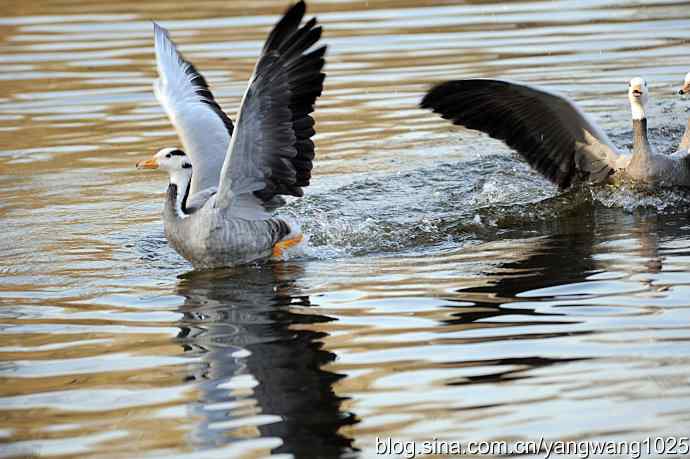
(227, 181)
(554, 136)
(685, 140)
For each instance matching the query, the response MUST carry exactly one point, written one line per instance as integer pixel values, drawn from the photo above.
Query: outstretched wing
(201, 124)
(271, 151)
(546, 129)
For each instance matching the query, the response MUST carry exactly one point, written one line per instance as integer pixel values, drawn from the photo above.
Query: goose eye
(168, 156)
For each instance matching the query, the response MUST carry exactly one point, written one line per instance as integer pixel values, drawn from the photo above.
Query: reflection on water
(260, 372)
(448, 291)
(567, 335)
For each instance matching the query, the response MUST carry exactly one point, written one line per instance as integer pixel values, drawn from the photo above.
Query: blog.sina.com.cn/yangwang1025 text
(583, 449)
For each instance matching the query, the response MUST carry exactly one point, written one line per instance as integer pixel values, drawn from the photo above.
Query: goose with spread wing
(227, 180)
(554, 136)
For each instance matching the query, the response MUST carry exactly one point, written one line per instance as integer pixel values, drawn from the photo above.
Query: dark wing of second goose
(546, 129)
(271, 151)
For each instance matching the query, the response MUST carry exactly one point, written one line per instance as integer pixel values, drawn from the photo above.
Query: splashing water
(632, 198)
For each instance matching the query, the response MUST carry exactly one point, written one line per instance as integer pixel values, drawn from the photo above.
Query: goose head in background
(638, 95)
(643, 164)
(685, 89)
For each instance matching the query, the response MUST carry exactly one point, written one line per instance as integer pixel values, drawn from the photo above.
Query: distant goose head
(686, 85)
(172, 160)
(638, 95)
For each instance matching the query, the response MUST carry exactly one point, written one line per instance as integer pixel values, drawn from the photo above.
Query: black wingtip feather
(286, 25)
(207, 97)
(474, 104)
(438, 94)
(291, 47)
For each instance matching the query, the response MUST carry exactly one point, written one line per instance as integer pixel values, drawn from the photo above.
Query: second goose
(554, 136)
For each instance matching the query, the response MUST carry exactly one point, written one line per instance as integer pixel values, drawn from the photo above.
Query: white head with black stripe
(638, 95)
(172, 160)
(178, 166)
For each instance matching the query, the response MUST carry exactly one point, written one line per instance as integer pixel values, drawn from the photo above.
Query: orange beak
(148, 164)
(685, 89)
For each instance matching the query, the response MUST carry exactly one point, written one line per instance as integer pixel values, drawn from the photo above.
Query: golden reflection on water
(106, 353)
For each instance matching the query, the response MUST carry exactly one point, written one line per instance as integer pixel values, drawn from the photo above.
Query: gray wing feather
(683, 158)
(250, 207)
(271, 151)
(546, 129)
(685, 140)
(197, 200)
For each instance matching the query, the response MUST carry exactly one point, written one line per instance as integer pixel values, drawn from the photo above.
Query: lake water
(447, 292)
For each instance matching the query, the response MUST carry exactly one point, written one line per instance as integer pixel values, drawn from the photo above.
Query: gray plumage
(553, 135)
(210, 238)
(644, 166)
(684, 145)
(196, 201)
(270, 152)
(279, 99)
